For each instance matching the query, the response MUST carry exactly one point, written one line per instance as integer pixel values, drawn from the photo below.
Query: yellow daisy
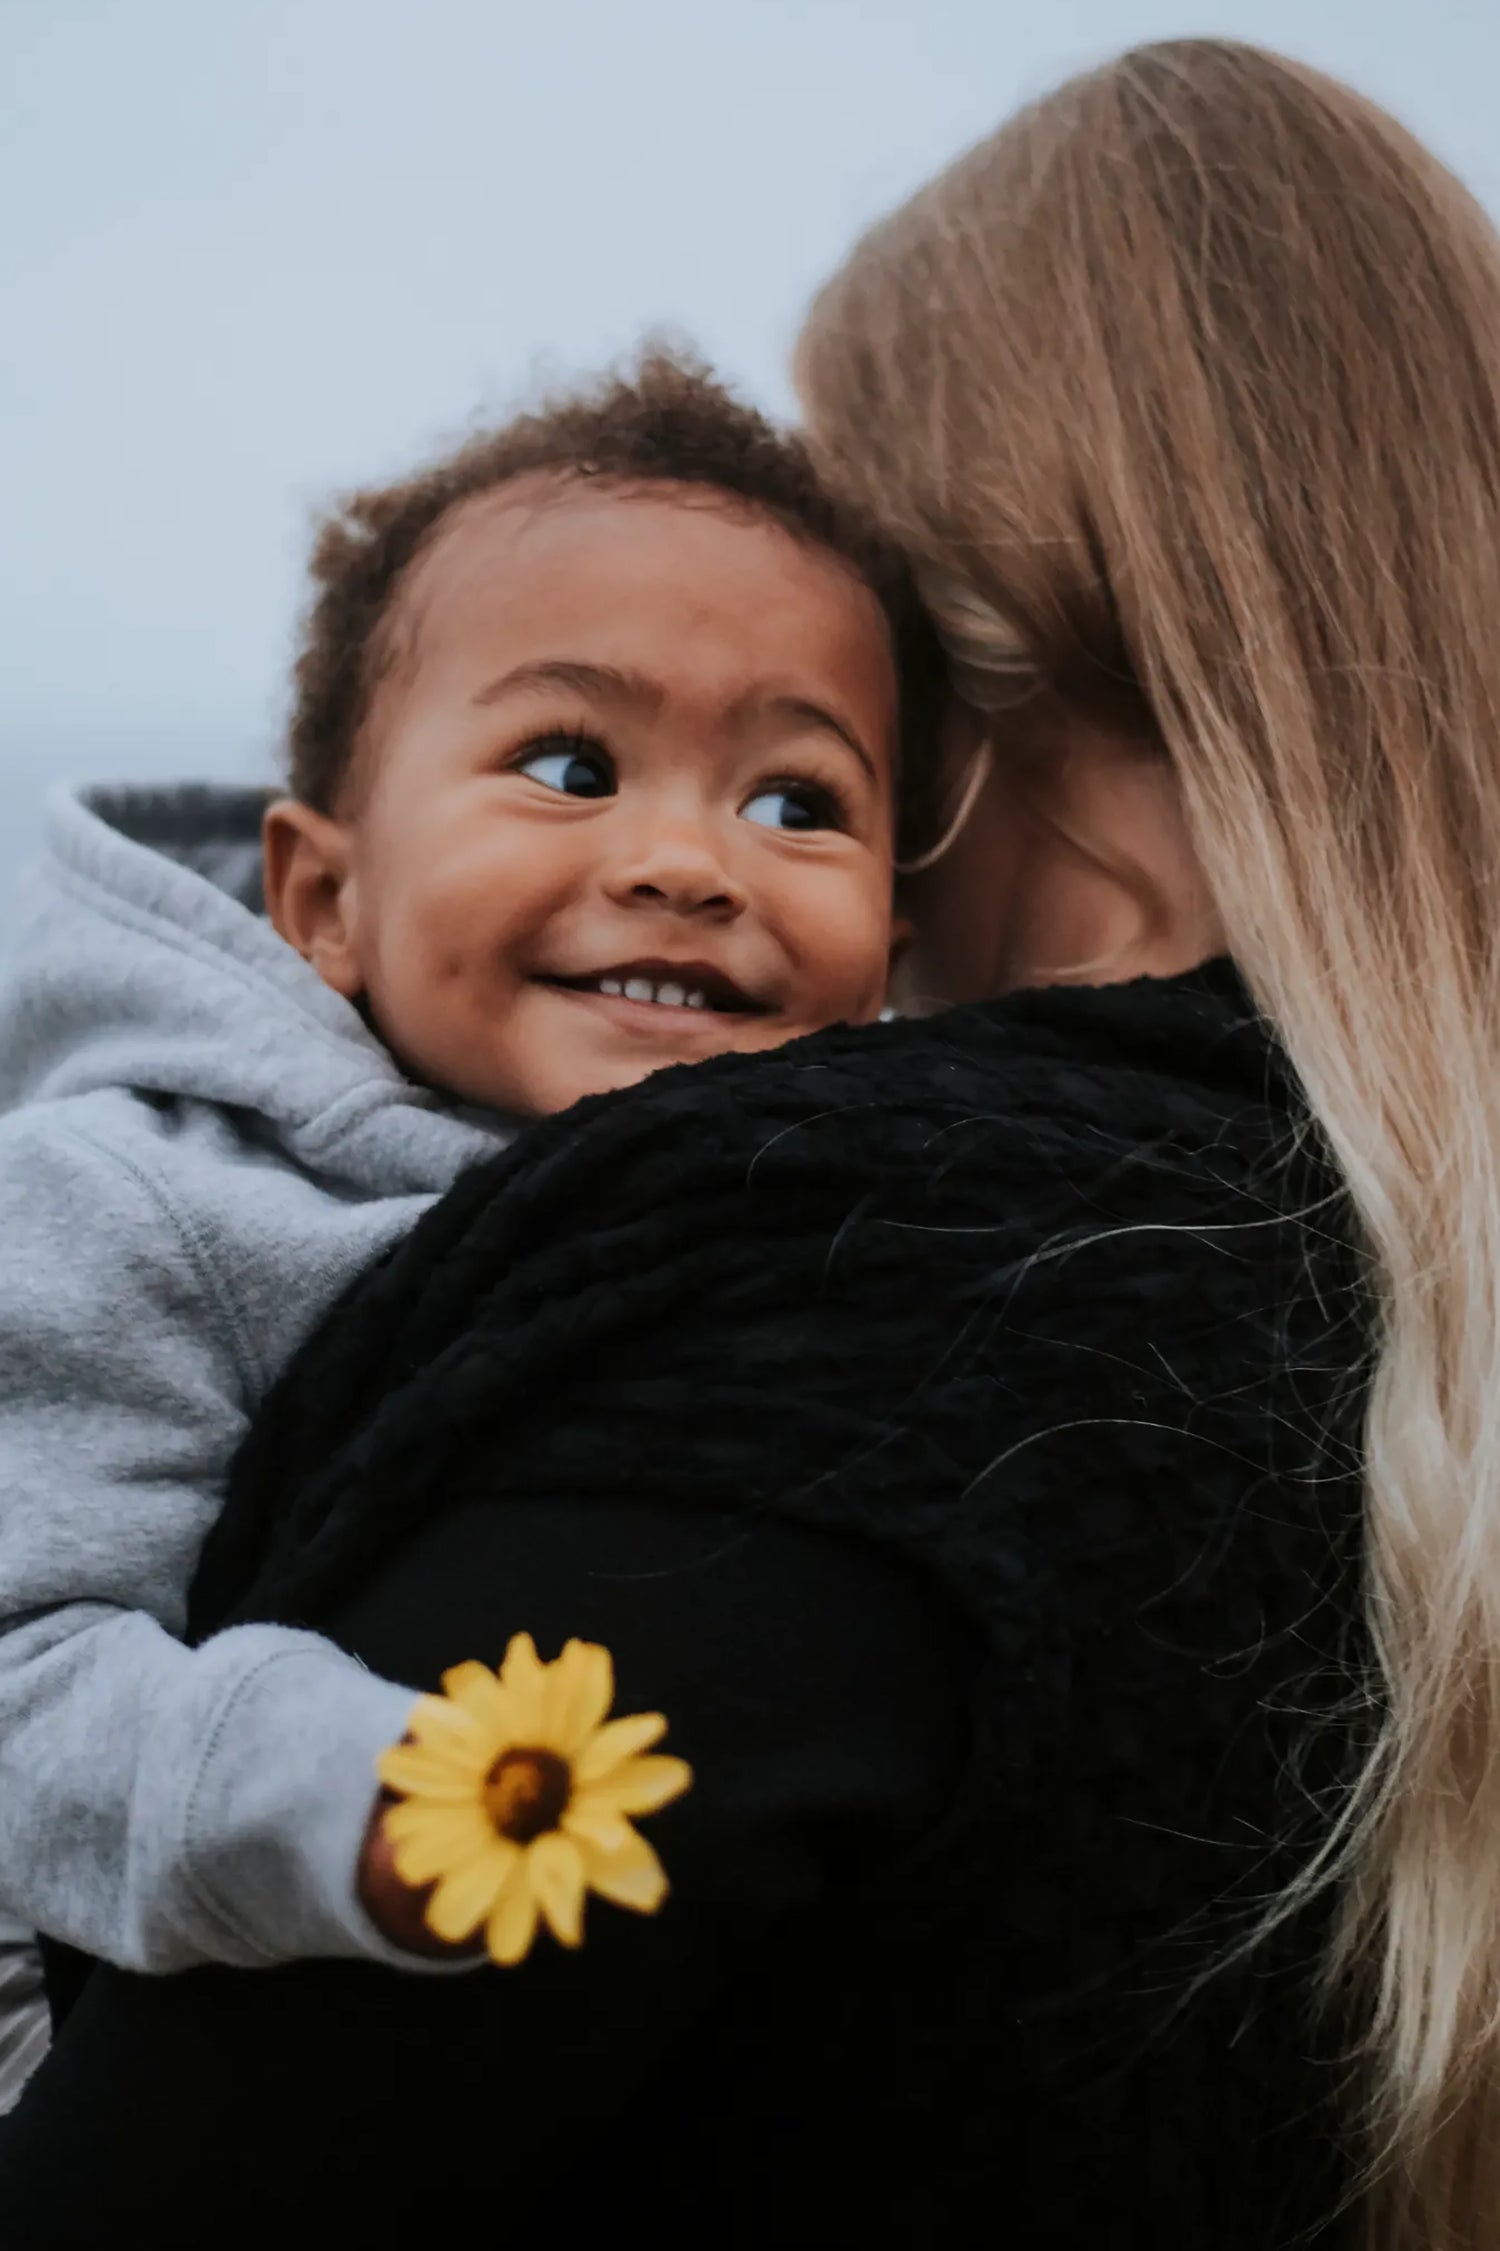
(517, 1794)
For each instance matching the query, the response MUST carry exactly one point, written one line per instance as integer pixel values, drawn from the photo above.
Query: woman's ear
(906, 992)
(1108, 885)
(902, 928)
(310, 890)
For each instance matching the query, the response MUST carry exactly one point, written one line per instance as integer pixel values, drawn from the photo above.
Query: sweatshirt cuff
(276, 1813)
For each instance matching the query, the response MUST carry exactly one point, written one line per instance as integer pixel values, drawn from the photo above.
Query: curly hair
(666, 420)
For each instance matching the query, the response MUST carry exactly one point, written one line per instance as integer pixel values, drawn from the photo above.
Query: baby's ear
(310, 892)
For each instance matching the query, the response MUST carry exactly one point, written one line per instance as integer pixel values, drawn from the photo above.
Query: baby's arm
(159, 1806)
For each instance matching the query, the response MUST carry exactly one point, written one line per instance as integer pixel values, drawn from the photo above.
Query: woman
(1038, 1458)
(1257, 496)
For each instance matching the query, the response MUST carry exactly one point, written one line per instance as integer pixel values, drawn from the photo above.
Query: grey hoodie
(201, 1146)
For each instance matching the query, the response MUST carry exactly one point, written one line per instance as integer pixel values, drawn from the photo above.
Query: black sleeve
(820, 1695)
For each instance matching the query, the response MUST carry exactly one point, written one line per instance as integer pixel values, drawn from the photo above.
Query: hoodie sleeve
(159, 1806)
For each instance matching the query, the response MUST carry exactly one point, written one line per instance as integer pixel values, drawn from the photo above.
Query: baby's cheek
(424, 993)
(853, 965)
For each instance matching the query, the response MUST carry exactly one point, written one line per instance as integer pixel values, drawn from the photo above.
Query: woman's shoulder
(1146, 1051)
(1064, 1076)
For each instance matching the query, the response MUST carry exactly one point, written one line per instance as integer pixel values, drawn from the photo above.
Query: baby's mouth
(678, 985)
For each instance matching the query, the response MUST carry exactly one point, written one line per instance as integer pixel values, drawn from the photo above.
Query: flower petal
(512, 1924)
(447, 1730)
(462, 1827)
(467, 1894)
(423, 1774)
(641, 1785)
(580, 1691)
(427, 1841)
(554, 1868)
(523, 1676)
(477, 1690)
(616, 1743)
(632, 1877)
(595, 1822)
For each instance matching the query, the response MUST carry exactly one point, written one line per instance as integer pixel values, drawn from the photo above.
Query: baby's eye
(571, 764)
(794, 805)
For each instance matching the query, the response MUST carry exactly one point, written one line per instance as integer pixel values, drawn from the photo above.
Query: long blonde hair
(1184, 389)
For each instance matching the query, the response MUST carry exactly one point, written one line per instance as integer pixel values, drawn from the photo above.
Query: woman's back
(1183, 390)
(952, 1429)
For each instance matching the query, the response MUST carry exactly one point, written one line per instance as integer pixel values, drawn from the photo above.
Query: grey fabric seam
(111, 908)
(201, 1892)
(380, 1086)
(252, 1379)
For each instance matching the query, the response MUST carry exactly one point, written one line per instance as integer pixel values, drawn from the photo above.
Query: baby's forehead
(706, 605)
(582, 540)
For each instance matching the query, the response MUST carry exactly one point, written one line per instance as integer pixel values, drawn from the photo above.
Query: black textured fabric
(1045, 1308)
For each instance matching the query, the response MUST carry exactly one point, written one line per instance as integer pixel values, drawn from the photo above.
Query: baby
(594, 769)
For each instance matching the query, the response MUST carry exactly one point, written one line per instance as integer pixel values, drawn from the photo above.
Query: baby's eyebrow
(609, 683)
(808, 713)
(613, 683)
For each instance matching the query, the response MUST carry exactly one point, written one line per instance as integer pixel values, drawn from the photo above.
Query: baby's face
(625, 798)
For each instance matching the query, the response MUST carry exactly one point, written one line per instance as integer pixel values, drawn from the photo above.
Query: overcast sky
(252, 250)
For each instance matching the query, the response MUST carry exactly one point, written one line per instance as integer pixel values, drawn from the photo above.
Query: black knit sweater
(954, 1427)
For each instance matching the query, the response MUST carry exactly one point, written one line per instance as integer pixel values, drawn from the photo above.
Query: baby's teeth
(644, 988)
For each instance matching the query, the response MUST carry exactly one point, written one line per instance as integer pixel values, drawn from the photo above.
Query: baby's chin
(563, 1087)
(562, 1084)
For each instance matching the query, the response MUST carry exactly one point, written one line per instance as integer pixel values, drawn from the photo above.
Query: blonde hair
(1184, 392)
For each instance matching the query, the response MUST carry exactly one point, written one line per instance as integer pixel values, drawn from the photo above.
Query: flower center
(526, 1793)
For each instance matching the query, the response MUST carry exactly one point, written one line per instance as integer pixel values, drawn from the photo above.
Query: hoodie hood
(145, 962)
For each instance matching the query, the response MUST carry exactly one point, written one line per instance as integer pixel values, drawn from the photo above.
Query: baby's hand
(398, 1909)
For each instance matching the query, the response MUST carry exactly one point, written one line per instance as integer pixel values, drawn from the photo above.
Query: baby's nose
(681, 872)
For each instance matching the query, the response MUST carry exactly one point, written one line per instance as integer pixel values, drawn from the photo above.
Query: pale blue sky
(255, 249)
